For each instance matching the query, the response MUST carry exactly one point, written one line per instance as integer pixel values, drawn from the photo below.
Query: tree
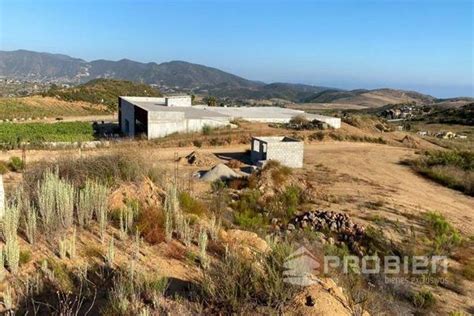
(211, 100)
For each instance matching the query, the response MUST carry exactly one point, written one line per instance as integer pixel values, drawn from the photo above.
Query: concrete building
(288, 151)
(158, 117)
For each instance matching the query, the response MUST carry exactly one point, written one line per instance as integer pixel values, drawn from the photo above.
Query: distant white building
(158, 117)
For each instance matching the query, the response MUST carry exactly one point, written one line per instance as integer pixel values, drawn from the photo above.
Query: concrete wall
(163, 127)
(257, 150)
(334, 122)
(128, 114)
(287, 153)
(184, 100)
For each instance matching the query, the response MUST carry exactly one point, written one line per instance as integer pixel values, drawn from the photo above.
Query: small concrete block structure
(286, 150)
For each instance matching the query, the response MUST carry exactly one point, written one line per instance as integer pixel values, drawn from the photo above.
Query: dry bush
(108, 169)
(237, 285)
(131, 292)
(150, 223)
(234, 164)
(3, 167)
(454, 169)
(175, 251)
(238, 183)
(279, 173)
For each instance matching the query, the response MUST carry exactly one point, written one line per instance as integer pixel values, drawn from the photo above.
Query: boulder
(244, 242)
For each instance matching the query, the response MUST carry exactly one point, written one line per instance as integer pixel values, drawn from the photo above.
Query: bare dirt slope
(362, 172)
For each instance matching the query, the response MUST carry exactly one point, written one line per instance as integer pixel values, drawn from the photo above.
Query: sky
(425, 46)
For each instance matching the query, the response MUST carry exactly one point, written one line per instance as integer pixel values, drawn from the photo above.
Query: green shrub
(197, 143)
(317, 136)
(443, 235)
(3, 167)
(454, 169)
(248, 211)
(285, 204)
(468, 270)
(25, 256)
(16, 164)
(423, 299)
(206, 129)
(249, 219)
(191, 205)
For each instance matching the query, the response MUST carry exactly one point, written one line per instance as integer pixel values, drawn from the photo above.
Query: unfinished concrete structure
(288, 151)
(158, 117)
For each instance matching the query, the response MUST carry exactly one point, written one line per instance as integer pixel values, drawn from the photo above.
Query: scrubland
(129, 230)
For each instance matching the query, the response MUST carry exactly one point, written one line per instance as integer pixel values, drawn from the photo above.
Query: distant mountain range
(184, 76)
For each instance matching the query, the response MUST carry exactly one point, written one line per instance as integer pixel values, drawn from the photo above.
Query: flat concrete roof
(157, 104)
(257, 112)
(276, 139)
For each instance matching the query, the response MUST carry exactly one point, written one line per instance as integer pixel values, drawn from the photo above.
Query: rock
(244, 242)
(323, 298)
(291, 227)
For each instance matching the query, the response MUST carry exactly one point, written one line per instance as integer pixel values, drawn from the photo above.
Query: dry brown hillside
(37, 107)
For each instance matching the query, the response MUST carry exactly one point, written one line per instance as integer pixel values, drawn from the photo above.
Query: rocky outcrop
(334, 224)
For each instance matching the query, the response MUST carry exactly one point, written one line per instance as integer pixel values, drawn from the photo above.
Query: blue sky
(419, 45)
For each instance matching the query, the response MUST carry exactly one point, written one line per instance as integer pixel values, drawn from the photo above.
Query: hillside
(102, 91)
(37, 107)
(37, 66)
(181, 76)
(23, 64)
(278, 90)
(463, 115)
(369, 98)
(169, 76)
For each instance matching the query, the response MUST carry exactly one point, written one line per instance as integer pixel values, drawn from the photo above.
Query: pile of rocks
(334, 224)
